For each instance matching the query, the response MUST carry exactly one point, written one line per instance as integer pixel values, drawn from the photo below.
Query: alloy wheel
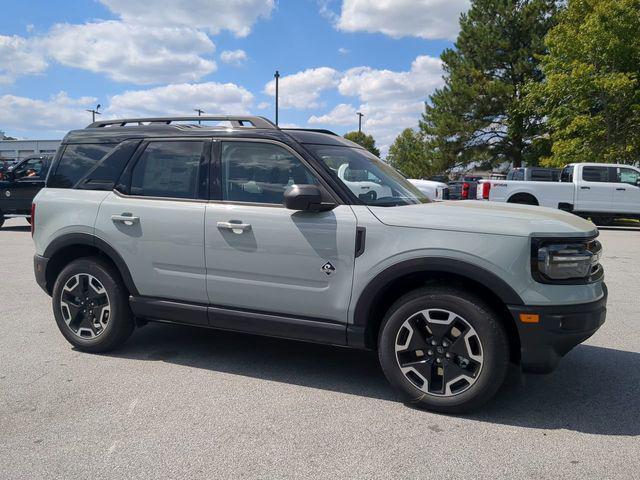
(439, 352)
(85, 306)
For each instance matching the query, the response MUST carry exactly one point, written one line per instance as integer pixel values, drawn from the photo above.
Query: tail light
(465, 191)
(33, 218)
(486, 189)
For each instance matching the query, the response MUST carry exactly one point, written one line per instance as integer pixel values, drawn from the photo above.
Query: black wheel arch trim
(366, 300)
(70, 239)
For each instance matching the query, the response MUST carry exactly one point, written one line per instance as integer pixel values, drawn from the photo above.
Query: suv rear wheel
(90, 305)
(443, 349)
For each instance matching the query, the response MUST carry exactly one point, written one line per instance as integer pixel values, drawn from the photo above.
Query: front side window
(76, 162)
(29, 169)
(628, 175)
(168, 169)
(595, 174)
(369, 178)
(260, 172)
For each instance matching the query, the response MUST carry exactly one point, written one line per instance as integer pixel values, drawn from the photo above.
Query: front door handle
(621, 189)
(125, 218)
(585, 188)
(235, 227)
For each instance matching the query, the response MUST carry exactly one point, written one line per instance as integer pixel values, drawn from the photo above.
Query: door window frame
(215, 183)
(123, 185)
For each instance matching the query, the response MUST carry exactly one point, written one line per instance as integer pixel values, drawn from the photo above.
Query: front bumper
(40, 270)
(559, 329)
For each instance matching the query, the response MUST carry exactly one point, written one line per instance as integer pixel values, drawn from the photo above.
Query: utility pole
(277, 76)
(360, 115)
(94, 112)
(200, 112)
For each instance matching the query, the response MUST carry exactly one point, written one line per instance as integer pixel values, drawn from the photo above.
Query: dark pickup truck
(20, 183)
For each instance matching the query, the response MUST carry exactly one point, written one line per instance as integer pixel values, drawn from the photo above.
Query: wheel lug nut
(439, 360)
(430, 353)
(434, 343)
(448, 355)
(445, 343)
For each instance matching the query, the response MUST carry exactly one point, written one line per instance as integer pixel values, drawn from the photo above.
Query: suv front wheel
(443, 349)
(90, 305)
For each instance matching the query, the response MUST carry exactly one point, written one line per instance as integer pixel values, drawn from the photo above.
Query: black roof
(119, 130)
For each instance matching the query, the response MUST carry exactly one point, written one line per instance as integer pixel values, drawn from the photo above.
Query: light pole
(200, 112)
(277, 76)
(94, 112)
(360, 115)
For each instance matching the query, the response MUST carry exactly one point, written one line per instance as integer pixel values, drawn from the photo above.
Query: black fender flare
(357, 331)
(70, 239)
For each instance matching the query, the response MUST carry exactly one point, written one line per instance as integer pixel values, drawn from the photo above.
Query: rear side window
(76, 162)
(595, 174)
(168, 169)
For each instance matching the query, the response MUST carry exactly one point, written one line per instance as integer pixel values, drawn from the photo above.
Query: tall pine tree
(479, 115)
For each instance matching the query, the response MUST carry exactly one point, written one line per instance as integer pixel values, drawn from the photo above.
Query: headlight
(566, 261)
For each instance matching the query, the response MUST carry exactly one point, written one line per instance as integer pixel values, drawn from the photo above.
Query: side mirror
(306, 198)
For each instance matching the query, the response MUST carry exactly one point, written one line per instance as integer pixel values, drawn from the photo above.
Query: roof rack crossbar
(236, 121)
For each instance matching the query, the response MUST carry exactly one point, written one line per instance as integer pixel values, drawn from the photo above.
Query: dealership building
(19, 149)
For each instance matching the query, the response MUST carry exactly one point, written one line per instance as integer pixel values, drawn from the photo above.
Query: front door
(157, 223)
(263, 257)
(626, 197)
(28, 178)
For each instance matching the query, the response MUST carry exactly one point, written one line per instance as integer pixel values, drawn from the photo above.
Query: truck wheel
(443, 349)
(90, 305)
(523, 199)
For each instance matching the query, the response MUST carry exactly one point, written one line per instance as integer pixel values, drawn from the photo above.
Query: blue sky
(161, 57)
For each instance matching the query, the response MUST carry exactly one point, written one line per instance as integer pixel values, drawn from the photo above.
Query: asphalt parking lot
(179, 402)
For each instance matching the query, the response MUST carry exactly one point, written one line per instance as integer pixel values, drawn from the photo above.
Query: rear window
(76, 162)
(543, 175)
(567, 174)
(516, 175)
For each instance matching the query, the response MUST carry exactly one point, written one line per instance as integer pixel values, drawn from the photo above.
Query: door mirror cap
(307, 198)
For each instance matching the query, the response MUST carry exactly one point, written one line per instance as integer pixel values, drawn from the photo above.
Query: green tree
(408, 154)
(364, 140)
(591, 93)
(478, 114)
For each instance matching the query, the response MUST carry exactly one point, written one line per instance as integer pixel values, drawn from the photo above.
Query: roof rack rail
(317, 130)
(235, 120)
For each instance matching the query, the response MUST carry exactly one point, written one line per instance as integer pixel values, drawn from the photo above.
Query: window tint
(77, 160)
(260, 172)
(567, 174)
(628, 175)
(595, 174)
(30, 169)
(168, 169)
(544, 175)
(105, 174)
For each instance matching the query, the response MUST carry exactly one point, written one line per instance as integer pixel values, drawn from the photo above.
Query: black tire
(490, 372)
(1, 219)
(28, 219)
(120, 322)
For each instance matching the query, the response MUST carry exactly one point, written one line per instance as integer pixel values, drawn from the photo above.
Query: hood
(475, 216)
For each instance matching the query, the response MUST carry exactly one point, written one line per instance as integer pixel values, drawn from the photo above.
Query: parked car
(20, 183)
(253, 228)
(600, 191)
(436, 191)
(464, 189)
(534, 174)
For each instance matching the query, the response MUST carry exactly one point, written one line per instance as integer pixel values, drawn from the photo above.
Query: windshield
(369, 178)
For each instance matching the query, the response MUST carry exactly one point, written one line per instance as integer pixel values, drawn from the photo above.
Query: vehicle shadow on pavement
(16, 228)
(594, 390)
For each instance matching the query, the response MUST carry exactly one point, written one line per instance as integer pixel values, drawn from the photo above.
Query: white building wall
(19, 149)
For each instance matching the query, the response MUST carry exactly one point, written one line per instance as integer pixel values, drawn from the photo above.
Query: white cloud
(343, 51)
(233, 57)
(132, 53)
(302, 89)
(263, 105)
(214, 16)
(59, 113)
(342, 114)
(19, 56)
(429, 19)
(181, 99)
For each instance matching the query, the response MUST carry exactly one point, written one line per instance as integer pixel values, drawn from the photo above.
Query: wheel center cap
(440, 349)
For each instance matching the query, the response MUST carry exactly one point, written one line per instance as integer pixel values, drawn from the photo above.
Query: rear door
(155, 220)
(276, 260)
(626, 197)
(595, 189)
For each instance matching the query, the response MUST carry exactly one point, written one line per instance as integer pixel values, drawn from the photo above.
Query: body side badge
(328, 268)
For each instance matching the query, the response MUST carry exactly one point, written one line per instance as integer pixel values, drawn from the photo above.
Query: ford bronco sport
(249, 227)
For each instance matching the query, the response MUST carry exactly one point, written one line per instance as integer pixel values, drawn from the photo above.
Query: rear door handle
(621, 189)
(585, 188)
(235, 227)
(125, 218)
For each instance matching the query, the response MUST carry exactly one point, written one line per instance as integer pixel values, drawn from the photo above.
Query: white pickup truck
(597, 190)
